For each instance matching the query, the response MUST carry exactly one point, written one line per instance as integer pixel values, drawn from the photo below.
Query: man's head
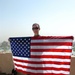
(36, 28)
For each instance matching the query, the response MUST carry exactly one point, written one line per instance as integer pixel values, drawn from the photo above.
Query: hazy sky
(56, 17)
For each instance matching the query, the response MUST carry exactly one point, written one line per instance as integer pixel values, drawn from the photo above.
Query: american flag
(43, 55)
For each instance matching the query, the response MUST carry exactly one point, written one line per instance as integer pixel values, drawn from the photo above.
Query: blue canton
(20, 46)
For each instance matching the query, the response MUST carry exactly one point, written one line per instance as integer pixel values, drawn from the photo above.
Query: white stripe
(43, 71)
(52, 53)
(49, 47)
(42, 65)
(42, 59)
(50, 40)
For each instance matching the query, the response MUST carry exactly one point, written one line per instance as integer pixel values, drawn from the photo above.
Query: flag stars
(13, 39)
(17, 43)
(28, 47)
(24, 47)
(21, 54)
(18, 53)
(24, 42)
(28, 54)
(16, 39)
(21, 47)
(21, 39)
(24, 54)
(28, 43)
(29, 39)
(25, 39)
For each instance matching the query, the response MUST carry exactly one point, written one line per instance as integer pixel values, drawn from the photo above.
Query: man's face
(35, 29)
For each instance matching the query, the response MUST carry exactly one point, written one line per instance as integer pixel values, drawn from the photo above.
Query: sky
(55, 17)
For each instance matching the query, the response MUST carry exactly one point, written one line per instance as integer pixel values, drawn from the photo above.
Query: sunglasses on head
(35, 28)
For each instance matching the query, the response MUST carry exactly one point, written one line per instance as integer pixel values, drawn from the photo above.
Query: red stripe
(51, 56)
(52, 43)
(25, 72)
(51, 50)
(52, 37)
(42, 68)
(42, 62)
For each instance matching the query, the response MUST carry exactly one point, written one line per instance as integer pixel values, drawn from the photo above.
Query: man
(36, 28)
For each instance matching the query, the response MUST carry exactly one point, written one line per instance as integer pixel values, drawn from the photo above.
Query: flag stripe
(41, 62)
(25, 72)
(51, 50)
(49, 47)
(42, 65)
(51, 56)
(45, 71)
(42, 59)
(51, 53)
(42, 68)
(50, 40)
(53, 37)
(52, 43)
